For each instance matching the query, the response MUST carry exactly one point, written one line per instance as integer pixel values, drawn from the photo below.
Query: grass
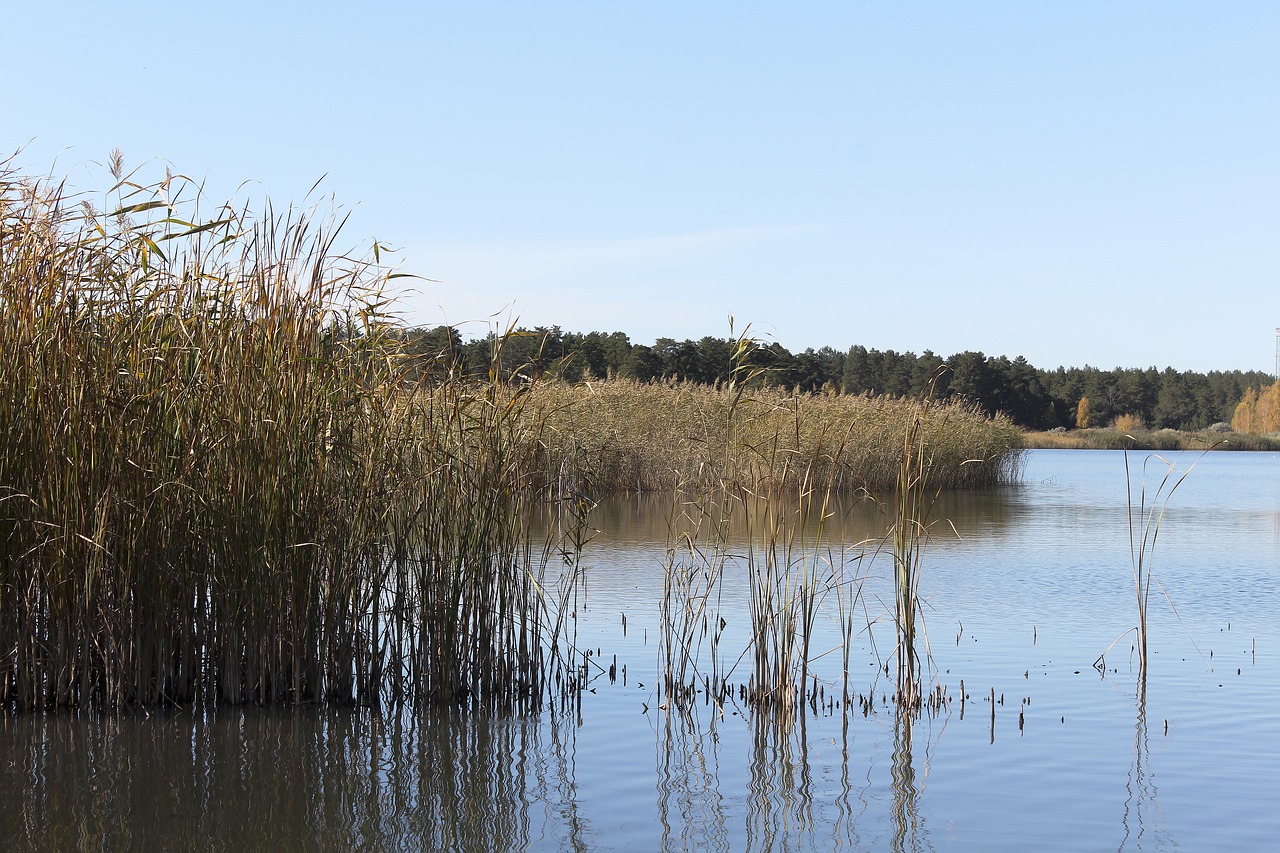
(914, 496)
(775, 497)
(1144, 530)
(775, 473)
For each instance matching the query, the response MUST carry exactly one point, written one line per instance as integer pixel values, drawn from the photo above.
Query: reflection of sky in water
(1037, 585)
(1051, 554)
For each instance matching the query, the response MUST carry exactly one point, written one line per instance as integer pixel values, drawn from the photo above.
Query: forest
(1034, 398)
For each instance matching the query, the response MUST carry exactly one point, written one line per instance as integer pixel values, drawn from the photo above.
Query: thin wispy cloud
(568, 282)
(503, 260)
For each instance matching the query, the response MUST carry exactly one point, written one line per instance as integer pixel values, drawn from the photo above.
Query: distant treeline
(1032, 397)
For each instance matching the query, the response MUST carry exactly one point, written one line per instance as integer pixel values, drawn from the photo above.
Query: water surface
(1026, 587)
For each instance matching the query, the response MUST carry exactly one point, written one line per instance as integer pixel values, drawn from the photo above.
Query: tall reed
(1145, 519)
(779, 495)
(697, 543)
(693, 573)
(911, 512)
(215, 485)
(793, 572)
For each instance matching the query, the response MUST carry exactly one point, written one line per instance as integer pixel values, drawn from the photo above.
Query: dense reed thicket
(624, 435)
(225, 479)
(213, 486)
(763, 469)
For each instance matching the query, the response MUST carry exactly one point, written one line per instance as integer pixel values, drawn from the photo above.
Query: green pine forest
(1034, 398)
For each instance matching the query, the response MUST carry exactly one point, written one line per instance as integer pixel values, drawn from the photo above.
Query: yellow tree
(1082, 413)
(1245, 416)
(1258, 410)
(1268, 419)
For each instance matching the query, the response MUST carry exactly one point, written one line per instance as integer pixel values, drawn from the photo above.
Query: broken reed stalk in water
(216, 486)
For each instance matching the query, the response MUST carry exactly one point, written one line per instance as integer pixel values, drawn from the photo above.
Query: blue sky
(1077, 183)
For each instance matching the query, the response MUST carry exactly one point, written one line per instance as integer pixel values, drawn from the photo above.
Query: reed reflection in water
(305, 779)
(323, 779)
(692, 809)
(804, 790)
(780, 802)
(908, 823)
(1141, 808)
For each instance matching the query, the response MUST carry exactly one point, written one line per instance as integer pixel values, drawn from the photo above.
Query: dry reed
(776, 471)
(622, 435)
(214, 486)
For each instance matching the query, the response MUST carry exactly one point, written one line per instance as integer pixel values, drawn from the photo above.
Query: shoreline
(1164, 439)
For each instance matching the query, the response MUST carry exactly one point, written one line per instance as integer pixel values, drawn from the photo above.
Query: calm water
(1031, 586)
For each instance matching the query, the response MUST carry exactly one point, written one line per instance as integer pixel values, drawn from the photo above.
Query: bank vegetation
(224, 478)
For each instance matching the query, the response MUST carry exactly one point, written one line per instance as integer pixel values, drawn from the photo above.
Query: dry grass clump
(211, 486)
(623, 435)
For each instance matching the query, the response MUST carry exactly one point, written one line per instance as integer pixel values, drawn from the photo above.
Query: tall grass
(218, 483)
(215, 486)
(693, 572)
(794, 570)
(745, 480)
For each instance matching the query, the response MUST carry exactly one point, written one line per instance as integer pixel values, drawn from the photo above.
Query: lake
(1026, 587)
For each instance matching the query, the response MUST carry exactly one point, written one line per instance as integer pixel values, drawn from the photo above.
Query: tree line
(1032, 397)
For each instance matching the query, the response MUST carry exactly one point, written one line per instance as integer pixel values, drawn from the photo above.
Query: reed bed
(214, 488)
(914, 498)
(773, 467)
(620, 435)
(793, 572)
(219, 483)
